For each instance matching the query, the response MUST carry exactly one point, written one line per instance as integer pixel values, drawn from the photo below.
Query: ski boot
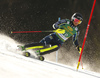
(25, 53)
(40, 57)
(21, 48)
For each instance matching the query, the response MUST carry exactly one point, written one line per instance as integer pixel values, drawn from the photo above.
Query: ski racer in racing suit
(57, 39)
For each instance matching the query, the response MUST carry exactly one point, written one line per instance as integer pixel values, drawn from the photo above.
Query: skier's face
(76, 22)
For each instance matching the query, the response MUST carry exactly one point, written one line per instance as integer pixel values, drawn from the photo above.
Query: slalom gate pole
(86, 33)
(57, 50)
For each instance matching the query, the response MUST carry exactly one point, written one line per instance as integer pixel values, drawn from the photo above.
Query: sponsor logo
(68, 22)
(69, 28)
(76, 28)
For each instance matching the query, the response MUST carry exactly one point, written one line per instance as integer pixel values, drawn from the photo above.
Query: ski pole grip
(78, 65)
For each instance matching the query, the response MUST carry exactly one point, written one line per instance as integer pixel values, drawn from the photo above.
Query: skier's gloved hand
(55, 26)
(61, 31)
(79, 49)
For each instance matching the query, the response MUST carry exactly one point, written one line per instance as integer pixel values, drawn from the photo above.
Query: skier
(55, 39)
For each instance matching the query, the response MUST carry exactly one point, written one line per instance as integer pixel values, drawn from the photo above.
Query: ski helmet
(78, 16)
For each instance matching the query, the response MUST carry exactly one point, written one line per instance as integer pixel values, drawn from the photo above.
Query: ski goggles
(77, 20)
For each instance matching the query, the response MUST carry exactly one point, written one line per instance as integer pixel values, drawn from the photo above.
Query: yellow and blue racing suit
(57, 39)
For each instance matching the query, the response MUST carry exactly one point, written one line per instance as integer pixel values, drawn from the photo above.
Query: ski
(28, 54)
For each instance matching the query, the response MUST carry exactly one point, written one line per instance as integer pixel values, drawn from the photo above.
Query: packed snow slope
(14, 65)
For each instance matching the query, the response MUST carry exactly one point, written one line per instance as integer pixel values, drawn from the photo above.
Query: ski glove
(61, 31)
(79, 49)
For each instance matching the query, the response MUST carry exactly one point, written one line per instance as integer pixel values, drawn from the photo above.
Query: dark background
(28, 15)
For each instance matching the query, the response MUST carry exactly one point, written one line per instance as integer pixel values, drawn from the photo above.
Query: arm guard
(59, 23)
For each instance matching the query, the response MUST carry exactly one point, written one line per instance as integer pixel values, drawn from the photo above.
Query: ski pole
(81, 63)
(57, 31)
(86, 33)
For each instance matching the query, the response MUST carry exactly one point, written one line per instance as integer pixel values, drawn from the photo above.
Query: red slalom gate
(86, 33)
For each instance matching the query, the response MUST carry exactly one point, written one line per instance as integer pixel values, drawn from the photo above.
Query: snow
(14, 65)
